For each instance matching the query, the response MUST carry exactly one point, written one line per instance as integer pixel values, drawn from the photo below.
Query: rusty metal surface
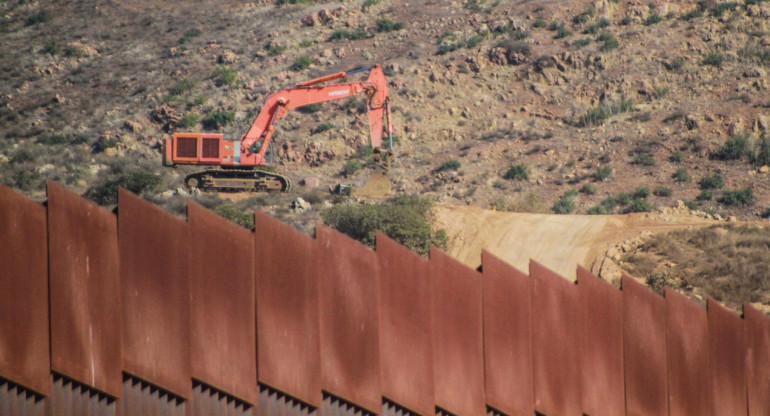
(272, 402)
(16, 400)
(334, 406)
(70, 398)
(85, 291)
(600, 316)
(154, 273)
(727, 357)
(350, 344)
(288, 353)
(141, 398)
(406, 344)
(644, 349)
(554, 327)
(207, 401)
(24, 336)
(757, 327)
(458, 345)
(688, 353)
(507, 337)
(222, 304)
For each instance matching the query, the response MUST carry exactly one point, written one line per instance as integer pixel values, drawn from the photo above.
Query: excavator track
(237, 180)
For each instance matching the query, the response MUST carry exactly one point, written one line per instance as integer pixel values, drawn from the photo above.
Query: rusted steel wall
(154, 275)
(24, 326)
(17, 400)
(600, 316)
(727, 357)
(757, 360)
(70, 398)
(555, 343)
(507, 337)
(85, 291)
(208, 401)
(349, 318)
(288, 339)
(688, 356)
(273, 402)
(458, 345)
(142, 398)
(644, 350)
(222, 304)
(406, 344)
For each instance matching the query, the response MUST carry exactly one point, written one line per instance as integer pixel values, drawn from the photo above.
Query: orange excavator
(239, 165)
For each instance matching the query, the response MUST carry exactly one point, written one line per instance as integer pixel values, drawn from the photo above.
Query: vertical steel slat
(757, 360)
(727, 357)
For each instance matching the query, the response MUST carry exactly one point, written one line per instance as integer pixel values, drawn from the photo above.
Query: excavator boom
(251, 151)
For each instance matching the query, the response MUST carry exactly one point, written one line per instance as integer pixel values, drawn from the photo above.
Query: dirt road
(560, 242)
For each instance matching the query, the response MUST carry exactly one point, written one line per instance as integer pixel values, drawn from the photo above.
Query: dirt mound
(560, 242)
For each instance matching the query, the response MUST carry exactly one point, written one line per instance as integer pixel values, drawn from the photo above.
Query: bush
(603, 22)
(661, 190)
(713, 181)
(310, 108)
(597, 210)
(359, 104)
(218, 119)
(642, 192)
(761, 155)
(474, 40)
(705, 195)
(639, 205)
(692, 14)
(713, 59)
(40, 17)
(598, 114)
(675, 64)
(676, 157)
(681, 175)
(192, 33)
(352, 167)
(404, 218)
(53, 47)
(740, 197)
(136, 181)
(602, 172)
(588, 189)
(582, 42)
(517, 172)
(322, 128)
(276, 49)
(610, 41)
(229, 212)
(626, 20)
(341, 34)
(652, 19)
(181, 87)
(562, 32)
(385, 25)
(302, 62)
(539, 23)
(564, 205)
(734, 148)
(189, 120)
(448, 165)
(720, 8)
(225, 76)
(644, 159)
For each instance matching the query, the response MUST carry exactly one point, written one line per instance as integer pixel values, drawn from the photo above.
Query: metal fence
(142, 313)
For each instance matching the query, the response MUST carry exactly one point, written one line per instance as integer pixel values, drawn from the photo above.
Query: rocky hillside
(541, 106)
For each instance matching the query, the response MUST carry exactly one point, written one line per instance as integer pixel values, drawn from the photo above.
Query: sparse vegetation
(652, 19)
(661, 190)
(225, 77)
(713, 59)
(386, 25)
(229, 212)
(739, 197)
(643, 159)
(720, 8)
(218, 119)
(356, 34)
(675, 64)
(563, 205)
(642, 192)
(136, 181)
(681, 175)
(713, 181)
(190, 35)
(517, 172)
(352, 167)
(322, 127)
(405, 218)
(301, 62)
(182, 86)
(610, 42)
(597, 115)
(639, 205)
(602, 172)
(453, 164)
(189, 120)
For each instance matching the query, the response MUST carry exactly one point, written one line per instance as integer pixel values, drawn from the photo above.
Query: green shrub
(539, 23)
(73, 51)
(385, 25)
(404, 218)
(53, 47)
(218, 119)
(322, 127)
(448, 165)
(200, 100)
(54, 139)
(189, 35)
(369, 3)
(310, 108)
(713, 59)
(609, 203)
(474, 40)
(609, 44)
(351, 167)
(136, 181)
(189, 120)
(359, 104)
(761, 155)
(588, 189)
(642, 192)
(740, 197)
(720, 8)
(652, 19)
(562, 32)
(582, 42)
(692, 14)
(229, 212)
(603, 22)
(676, 157)
(681, 175)
(690, 204)
(39, 17)
(705, 195)
(713, 181)
(736, 147)
(598, 114)
(675, 64)
(181, 87)
(602, 172)
(622, 199)
(301, 62)
(639, 205)
(517, 172)
(564, 205)
(341, 34)
(276, 49)
(626, 20)
(597, 210)
(224, 76)
(644, 159)
(661, 190)
(306, 43)
(591, 29)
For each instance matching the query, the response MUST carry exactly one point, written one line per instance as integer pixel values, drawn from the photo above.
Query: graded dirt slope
(559, 242)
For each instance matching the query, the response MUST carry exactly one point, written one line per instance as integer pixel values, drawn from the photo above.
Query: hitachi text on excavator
(235, 165)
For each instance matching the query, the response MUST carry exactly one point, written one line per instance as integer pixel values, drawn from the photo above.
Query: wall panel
(757, 360)
(86, 343)
(458, 345)
(154, 273)
(24, 337)
(288, 340)
(350, 344)
(555, 340)
(222, 304)
(727, 357)
(507, 337)
(406, 344)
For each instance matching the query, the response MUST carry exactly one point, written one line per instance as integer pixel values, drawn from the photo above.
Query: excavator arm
(258, 138)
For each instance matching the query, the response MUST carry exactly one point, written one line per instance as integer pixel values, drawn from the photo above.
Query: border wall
(141, 313)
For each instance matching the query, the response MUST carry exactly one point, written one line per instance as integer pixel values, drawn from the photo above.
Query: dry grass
(727, 263)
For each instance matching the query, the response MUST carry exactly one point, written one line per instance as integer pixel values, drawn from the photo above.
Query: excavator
(237, 166)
